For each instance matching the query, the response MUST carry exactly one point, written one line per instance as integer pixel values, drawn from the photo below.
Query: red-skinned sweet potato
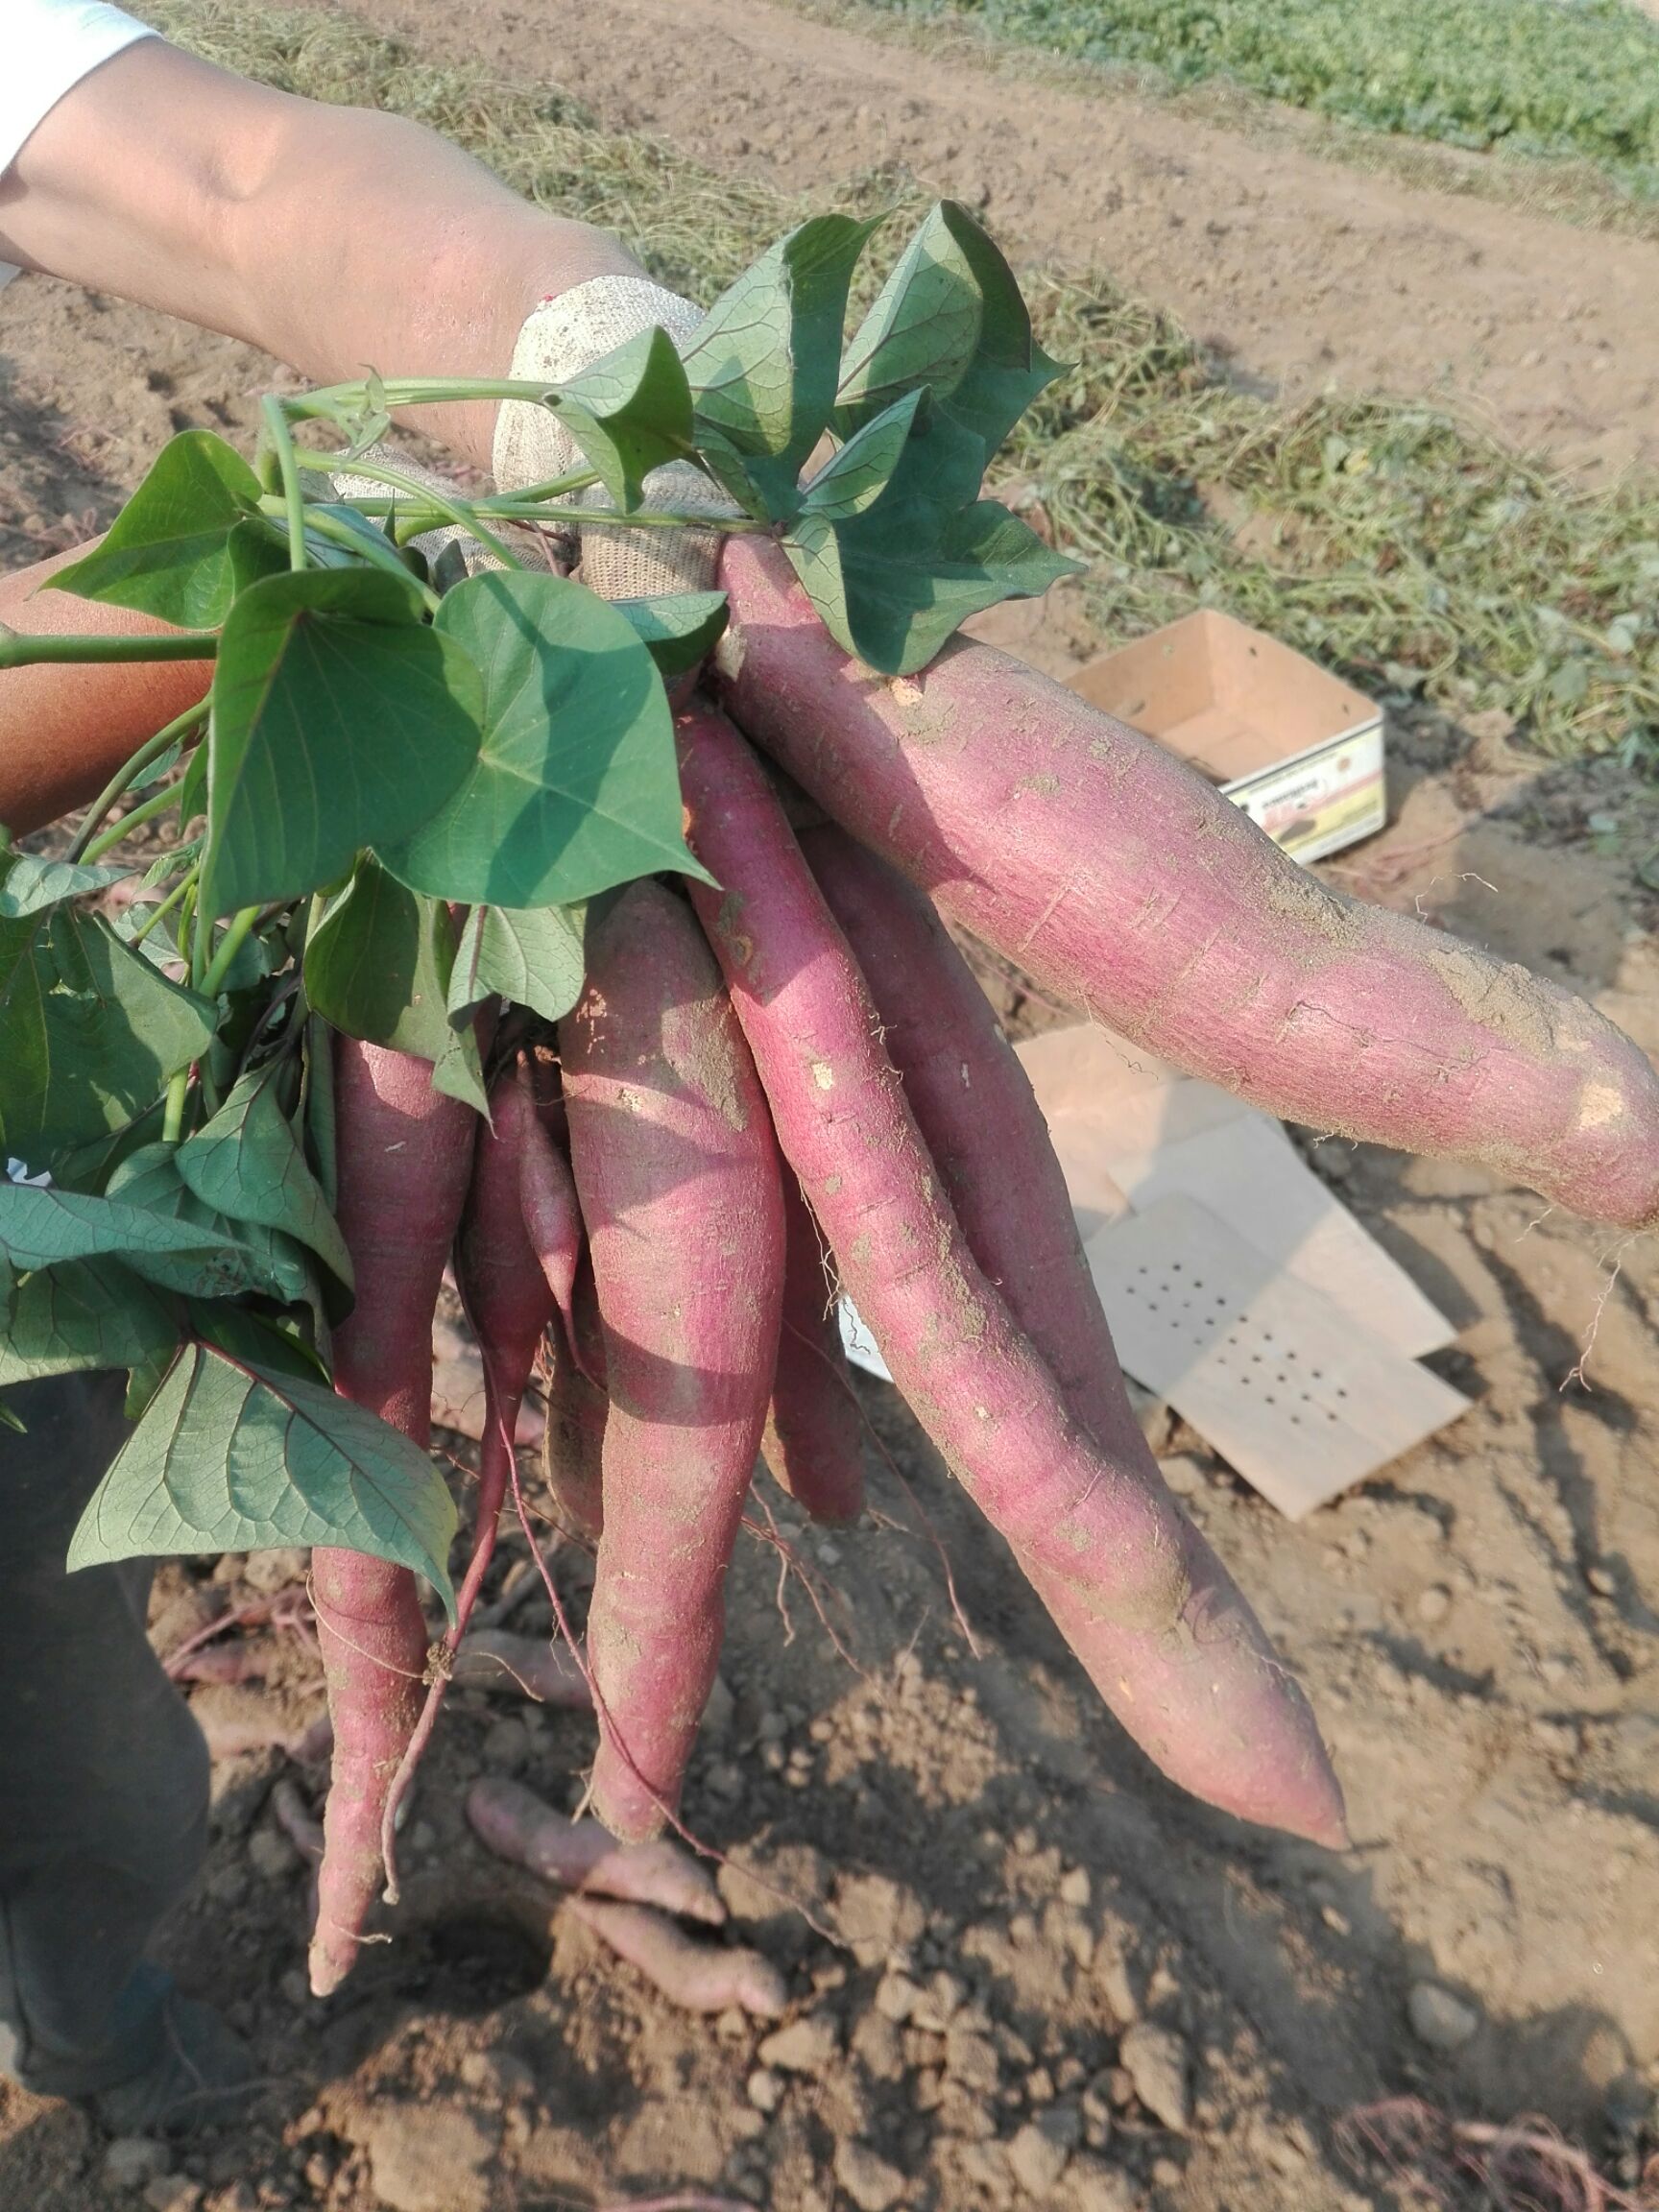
(814, 1441)
(405, 1155)
(1229, 1724)
(1125, 884)
(678, 1174)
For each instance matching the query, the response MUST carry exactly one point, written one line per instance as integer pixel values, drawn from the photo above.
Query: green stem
(230, 945)
(456, 511)
(129, 771)
(339, 534)
(173, 1120)
(186, 884)
(338, 401)
(551, 488)
(276, 426)
(19, 650)
(147, 811)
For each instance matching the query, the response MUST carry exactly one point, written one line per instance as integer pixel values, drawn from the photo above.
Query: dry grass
(1399, 546)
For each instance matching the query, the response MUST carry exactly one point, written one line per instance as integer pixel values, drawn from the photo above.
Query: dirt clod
(873, 2185)
(1159, 2064)
(430, 2159)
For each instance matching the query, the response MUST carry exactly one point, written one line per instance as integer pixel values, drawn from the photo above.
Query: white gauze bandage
(563, 336)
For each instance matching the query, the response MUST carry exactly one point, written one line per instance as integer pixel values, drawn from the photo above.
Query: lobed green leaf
(630, 412)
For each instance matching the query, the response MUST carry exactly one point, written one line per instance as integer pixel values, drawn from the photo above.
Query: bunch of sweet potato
(791, 1084)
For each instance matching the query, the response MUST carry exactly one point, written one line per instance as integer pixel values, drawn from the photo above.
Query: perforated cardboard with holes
(1278, 1379)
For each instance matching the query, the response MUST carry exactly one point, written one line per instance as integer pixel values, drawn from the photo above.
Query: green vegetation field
(1540, 78)
(1392, 544)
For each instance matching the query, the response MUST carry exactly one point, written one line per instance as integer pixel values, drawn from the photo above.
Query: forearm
(65, 730)
(337, 239)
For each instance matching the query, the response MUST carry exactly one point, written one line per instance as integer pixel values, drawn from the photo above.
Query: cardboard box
(1297, 749)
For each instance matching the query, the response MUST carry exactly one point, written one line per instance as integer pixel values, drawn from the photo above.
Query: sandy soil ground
(1300, 273)
(1029, 1972)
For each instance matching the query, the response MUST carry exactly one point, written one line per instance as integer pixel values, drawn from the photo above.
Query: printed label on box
(1322, 802)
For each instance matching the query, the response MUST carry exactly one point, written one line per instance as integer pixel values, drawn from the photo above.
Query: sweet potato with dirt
(510, 1302)
(405, 1157)
(1233, 1728)
(583, 1855)
(1125, 884)
(678, 1174)
(546, 1673)
(573, 1434)
(814, 1440)
(974, 1106)
(698, 1976)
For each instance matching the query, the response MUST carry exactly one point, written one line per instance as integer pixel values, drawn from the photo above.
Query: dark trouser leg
(102, 1772)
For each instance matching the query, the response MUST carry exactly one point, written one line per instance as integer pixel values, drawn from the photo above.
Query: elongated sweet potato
(405, 1154)
(677, 1170)
(974, 1106)
(510, 1302)
(814, 1440)
(1233, 1728)
(1125, 884)
(573, 1442)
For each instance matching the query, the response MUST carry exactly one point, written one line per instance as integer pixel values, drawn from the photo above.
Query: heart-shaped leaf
(93, 1032)
(677, 630)
(531, 959)
(245, 1163)
(339, 717)
(229, 1457)
(81, 1316)
(232, 1259)
(575, 786)
(31, 884)
(377, 965)
(169, 551)
(630, 412)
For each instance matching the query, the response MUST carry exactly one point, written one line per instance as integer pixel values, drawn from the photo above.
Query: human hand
(564, 335)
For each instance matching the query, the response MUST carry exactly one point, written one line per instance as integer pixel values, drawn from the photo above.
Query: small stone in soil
(505, 1746)
(1037, 2159)
(132, 2160)
(173, 2193)
(1094, 2187)
(498, 2073)
(803, 2046)
(1183, 1474)
(271, 1855)
(269, 1572)
(764, 2089)
(1440, 2018)
(1433, 1605)
(429, 2158)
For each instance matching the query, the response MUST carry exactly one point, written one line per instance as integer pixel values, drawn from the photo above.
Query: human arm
(335, 238)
